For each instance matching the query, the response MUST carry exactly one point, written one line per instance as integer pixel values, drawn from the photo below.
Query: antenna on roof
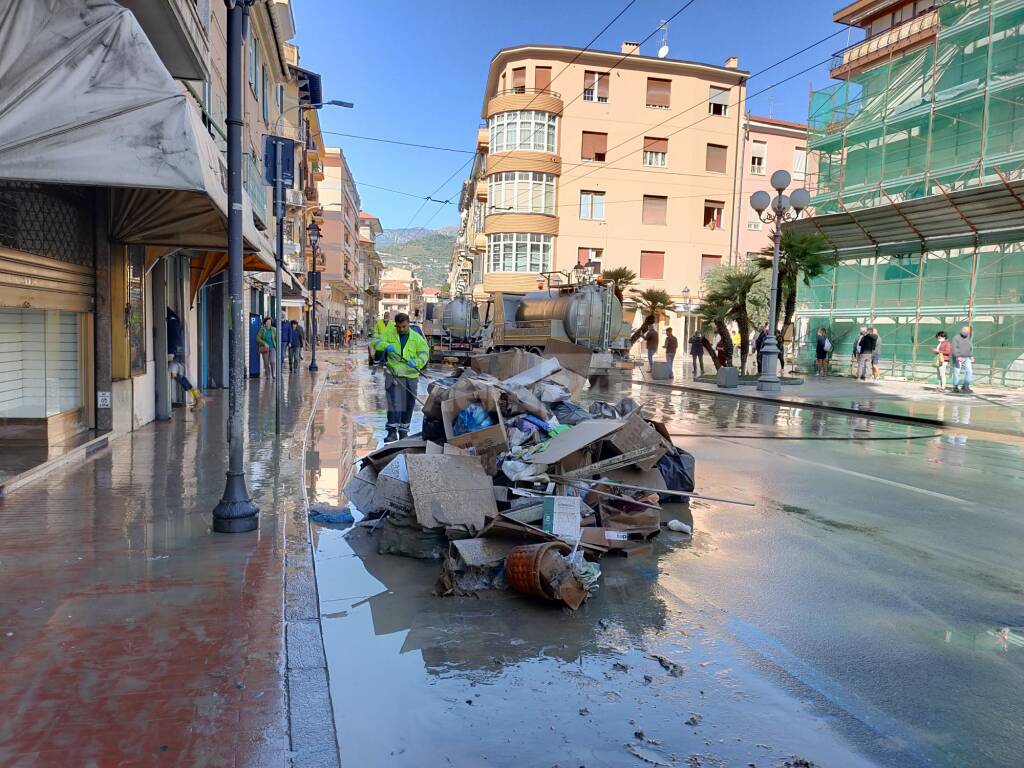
(663, 50)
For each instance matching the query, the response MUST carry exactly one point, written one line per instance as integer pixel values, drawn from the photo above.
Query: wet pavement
(868, 611)
(131, 634)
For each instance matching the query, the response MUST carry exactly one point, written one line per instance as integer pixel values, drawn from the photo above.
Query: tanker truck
(586, 316)
(457, 328)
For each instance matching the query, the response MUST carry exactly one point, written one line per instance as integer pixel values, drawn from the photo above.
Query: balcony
(515, 99)
(483, 139)
(178, 34)
(901, 38)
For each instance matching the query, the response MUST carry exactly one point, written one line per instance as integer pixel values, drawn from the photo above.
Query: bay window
(521, 192)
(518, 252)
(526, 130)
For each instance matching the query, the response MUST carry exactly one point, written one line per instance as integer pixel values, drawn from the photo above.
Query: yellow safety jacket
(408, 362)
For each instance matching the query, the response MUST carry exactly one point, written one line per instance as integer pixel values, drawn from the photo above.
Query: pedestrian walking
(176, 356)
(671, 347)
(720, 351)
(762, 336)
(822, 348)
(866, 350)
(406, 354)
(962, 357)
(378, 334)
(348, 336)
(942, 351)
(696, 343)
(266, 340)
(876, 356)
(651, 340)
(296, 340)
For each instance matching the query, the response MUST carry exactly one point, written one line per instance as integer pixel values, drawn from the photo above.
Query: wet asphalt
(867, 611)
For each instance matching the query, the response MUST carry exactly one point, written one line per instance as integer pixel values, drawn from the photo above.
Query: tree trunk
(727, 346)
(743, 321)
(787, 322)
(710, 350)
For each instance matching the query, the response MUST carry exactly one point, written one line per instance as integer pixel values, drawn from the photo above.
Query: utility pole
(236, 512)
(278, 266)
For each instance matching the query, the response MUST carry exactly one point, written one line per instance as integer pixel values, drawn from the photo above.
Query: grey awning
(85, 100)
(988, 214)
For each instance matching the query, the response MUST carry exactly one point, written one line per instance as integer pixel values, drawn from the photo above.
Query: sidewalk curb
(312, 742)
(921, 420)
(78, 454)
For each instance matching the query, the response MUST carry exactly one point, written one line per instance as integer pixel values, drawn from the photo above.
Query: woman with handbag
(266, 340)
(943, 349)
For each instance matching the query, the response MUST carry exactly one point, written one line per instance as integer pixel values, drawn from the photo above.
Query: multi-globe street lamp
(777, 211)
(313, 232)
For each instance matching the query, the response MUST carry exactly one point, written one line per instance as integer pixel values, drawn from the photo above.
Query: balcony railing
(521, 90)
(256, 189)
(872, 46)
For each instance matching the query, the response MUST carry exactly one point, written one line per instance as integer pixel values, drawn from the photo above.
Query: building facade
(768, 145)
(339, 239)
(601, 158)
(917, 187)
(93, 256)
(370, 268)
(401, 291)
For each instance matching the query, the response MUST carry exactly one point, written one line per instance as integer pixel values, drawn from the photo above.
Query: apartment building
(612, 159)
(768, 145)
(401, 291)
(339, 238)
(917, 165)
(370, 269)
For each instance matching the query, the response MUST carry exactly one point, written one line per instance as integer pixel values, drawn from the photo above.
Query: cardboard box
(489, 439)
(636, 433)
(562, 516)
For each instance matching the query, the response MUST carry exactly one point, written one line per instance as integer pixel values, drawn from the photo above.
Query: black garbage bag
(599, 409)
(433, 430)
(567, 412)
(677, 470)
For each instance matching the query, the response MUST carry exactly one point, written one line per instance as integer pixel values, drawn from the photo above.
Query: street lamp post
(314, 246)
(781, 208)
(236, 512)
(686, 308)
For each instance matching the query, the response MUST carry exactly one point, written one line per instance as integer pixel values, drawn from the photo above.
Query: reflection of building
(401, 292)
(97, 243)
(918, 186)
(768, 145)
(616, 178)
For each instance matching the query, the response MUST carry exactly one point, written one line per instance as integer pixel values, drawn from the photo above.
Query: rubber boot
(403, 433)
(198, 400)
(391, 436)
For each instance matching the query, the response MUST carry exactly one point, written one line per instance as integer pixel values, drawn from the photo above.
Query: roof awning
(991, 213)
(85, 100)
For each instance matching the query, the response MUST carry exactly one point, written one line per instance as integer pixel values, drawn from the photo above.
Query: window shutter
(707, 263)
(542, 78)
(799, 163)
(652, 265)
(655, 145)
(716, 158)
(602, 85)
(719, 96)
(655, 209)
(594, 145)
(759, 149)
(519, 77)
(659, 92)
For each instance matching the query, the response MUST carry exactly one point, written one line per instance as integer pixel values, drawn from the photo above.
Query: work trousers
(401, 395)
(863, 365)
(963, 371)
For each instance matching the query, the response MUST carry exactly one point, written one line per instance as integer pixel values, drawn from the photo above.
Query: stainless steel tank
(591, 316)
(461, 319)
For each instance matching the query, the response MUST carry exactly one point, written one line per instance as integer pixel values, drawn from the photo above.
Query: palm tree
(619, 279)
(802, 255)
(714, 311)
(654, 301)
(734, 288)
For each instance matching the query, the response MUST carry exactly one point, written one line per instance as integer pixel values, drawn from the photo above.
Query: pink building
(768, 145)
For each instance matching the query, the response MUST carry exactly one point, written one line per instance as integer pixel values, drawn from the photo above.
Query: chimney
(733, 62)
(631, 48)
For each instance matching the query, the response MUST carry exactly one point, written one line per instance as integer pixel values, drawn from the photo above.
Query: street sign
(313, 281)
(270, 161)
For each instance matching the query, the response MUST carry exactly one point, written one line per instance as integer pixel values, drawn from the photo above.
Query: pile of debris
(513, 484)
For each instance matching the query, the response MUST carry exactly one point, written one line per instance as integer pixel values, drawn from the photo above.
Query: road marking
(861, 475)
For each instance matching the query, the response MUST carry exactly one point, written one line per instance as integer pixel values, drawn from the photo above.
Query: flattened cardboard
(392, 493)
(562, 516)
(450, 491)
(635, 434)
(361, 489)
(576, 439)
(382, 456)
(483, 552)
(492, 438)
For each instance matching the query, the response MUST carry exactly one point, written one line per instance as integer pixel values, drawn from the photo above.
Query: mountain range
(426, 251)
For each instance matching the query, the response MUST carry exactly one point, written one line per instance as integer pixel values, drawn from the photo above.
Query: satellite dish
(663, 52)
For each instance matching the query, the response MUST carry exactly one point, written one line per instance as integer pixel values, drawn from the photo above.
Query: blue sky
(415, 71)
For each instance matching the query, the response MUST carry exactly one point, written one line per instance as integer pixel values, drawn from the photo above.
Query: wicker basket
(524, 565)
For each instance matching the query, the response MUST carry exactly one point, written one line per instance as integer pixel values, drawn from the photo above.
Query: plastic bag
(599, 409)
(676, 468)
(472, 418)
(568, 412)
(626, 406)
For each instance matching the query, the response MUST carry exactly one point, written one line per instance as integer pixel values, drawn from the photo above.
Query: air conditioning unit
(295, 197)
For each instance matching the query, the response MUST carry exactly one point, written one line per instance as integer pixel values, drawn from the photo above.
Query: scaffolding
(925, 126)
